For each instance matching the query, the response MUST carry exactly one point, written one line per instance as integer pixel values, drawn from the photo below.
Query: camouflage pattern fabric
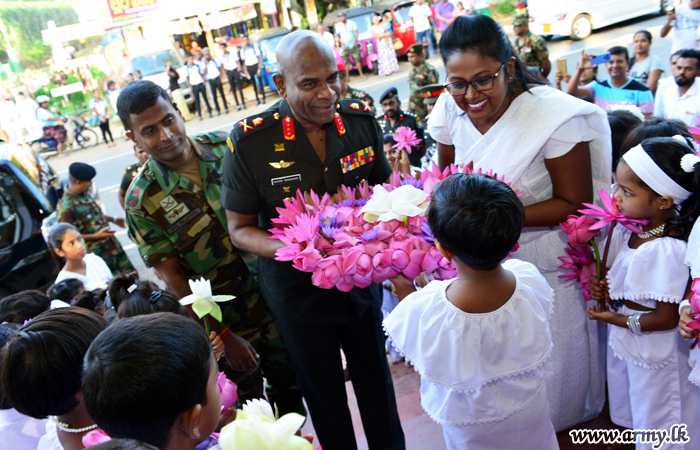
(357, 94)
(87, 216)
(171, 217)
(417, 78)
(531, 50)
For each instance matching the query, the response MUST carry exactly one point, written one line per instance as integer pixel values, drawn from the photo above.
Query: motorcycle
(77, 132)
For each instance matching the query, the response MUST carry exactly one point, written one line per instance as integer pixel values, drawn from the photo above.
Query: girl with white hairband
(648, 387)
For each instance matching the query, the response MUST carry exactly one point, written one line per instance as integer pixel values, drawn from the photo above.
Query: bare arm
(546, 67)
(573, 87)
(249, 237)
(653, 80)
(670, 17)
(122, 197)
(663, 318)
(572, 184)
(446, 155)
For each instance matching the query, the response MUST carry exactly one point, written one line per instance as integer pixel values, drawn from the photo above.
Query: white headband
(646, 169)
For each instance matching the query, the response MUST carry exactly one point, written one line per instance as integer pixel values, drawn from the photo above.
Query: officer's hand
(120, 222)
(103, 233)
(687, 316)
(240, 355)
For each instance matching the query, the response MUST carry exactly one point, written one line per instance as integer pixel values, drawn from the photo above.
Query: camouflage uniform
(87, 216)
(531, 50)
(358, 94)
(417, 78)
(171, 217)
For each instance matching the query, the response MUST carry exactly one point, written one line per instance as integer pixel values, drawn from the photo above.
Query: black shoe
(263, 101)
(218, 113)
(226, 111)
(200, 118)
(244, 107)
(210, 116)
(238, 108)
(258, 104)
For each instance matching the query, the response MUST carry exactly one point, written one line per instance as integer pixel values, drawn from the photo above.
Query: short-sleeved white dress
(482, 375)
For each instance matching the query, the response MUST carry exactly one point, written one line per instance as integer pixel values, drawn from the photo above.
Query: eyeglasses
(481, 84)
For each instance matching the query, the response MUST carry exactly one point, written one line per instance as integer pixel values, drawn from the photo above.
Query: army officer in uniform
(299, 143)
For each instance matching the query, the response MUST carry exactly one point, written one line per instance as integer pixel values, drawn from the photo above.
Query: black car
(29, 192)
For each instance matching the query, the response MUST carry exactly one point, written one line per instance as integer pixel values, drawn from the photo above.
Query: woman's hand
(686, 316)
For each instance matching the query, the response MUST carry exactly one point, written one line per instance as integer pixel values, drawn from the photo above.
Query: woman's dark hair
(654, 127)
(58, 233)
(7, 330)
(17, 308)
(137, 97)
(486, 38)
(65, 290)
(389, 139)
(141, 373)
(667, 153)
(146, 298)
(93, 300)
(621, 122)
(645, 33)
(41, 366)
(123, 444)
(477, 218)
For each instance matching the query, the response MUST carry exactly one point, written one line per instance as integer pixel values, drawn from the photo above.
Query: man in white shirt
(9, 118)
(195, 81)
(232, 65)
(349, 34)
(26, 106)
(251, 58)
(328, 37)
(682, 101)
(685, 21)
(212, 70)
(422, 21)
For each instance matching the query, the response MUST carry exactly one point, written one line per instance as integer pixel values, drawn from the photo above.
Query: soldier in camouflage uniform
(176, 220)
(394, 118)
(79, 207)
(347, 92)
(422, 74)
(530, 48)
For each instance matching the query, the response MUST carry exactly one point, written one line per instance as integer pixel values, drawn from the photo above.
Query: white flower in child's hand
(202, 301)
(258, 406)
(253, 431)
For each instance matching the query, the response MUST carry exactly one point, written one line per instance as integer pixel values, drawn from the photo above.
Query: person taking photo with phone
(79, 207)
(619, 89)
(685, 20)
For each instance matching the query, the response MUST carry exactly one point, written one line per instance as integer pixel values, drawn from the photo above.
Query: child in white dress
(648, 386)
(479, 341)
(67, 243)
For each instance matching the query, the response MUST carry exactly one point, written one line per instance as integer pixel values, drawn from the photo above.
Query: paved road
(110, 163)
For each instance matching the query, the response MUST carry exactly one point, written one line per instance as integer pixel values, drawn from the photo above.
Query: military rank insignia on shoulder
(214, 137)
(144, 177)
(253, 124)
(355, 106)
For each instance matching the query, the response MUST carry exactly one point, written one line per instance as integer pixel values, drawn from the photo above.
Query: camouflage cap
(431, 93)
(415, 48)
(521, 19)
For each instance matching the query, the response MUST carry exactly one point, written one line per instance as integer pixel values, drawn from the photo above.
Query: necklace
(65, 427)
(652, 233)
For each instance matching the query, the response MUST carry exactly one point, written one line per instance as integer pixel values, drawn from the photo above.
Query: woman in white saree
(555, 150)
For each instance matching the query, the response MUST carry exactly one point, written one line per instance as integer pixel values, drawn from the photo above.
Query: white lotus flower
(202, 301)
(253, 431)
(404, 201)
(259, 406)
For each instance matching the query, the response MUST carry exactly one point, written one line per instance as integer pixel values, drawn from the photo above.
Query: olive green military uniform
(358, 94)
(418, 77)
(87, 216)
(169, 216)
(270, 158)
(410, 120)
(531, 50)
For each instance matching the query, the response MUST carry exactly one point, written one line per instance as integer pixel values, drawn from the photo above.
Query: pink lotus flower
(611, 213)
(327, 273)
(695, 303)
(579, 229)
(405, 139)
(229, 391)
(95, 437)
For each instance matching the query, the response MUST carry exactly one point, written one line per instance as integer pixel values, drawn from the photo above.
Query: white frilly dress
(482, 375)
(540, 125)
(692, 260)
(648, 387)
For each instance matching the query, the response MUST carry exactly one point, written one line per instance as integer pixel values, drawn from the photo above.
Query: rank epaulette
(355, 106)
(142, 180)
(253, 124)
(213, 137)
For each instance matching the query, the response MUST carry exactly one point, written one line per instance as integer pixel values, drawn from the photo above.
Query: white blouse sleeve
(566, 137)
(657, 271)
(438, 122)
(692, 258)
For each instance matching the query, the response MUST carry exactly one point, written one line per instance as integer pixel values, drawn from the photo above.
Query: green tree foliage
(22, 22)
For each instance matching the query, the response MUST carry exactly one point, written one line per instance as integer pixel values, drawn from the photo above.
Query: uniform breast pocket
(193, 238)
(353, 177)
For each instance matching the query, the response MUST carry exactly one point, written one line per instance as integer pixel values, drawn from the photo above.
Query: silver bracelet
(639, 326)
(631, 324)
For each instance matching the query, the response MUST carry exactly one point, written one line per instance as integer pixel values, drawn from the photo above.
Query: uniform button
(150, 172)
(145, 258)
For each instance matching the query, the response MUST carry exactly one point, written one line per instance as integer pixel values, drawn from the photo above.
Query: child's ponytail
(131, 297)
(690, 208)
(119, 287)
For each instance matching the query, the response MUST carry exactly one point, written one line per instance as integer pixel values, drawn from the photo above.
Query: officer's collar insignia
(339, 124)
(245, 126)
(276, 116)
(365, 103)
(229, 143)
(257, 121)
(401, 118)
(279, 147)
(282, 164)
(288, 126)
(355, 106)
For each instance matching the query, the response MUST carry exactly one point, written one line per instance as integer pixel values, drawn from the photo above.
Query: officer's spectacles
(457, 88)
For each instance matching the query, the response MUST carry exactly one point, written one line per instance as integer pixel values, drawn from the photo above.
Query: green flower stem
(206, 326)
(598, 273)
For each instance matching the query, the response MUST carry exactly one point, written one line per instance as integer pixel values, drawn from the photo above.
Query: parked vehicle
(267, 41)
(29, 192)
(77, 132)
(362, 17)
(578, 18)
(151, 57)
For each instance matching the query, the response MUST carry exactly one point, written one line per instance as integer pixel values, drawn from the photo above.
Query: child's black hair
(93, 300)
(41, 365)
(24, 305)
(389, 139)
(7, 330)
(654, 127)
(65, 290)
(667, 153)
(141, 373)
(477, 218)
(123, 444)
(146, 298)
(621, 123)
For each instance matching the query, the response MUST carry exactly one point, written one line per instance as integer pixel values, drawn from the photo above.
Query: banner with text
(123, 10)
